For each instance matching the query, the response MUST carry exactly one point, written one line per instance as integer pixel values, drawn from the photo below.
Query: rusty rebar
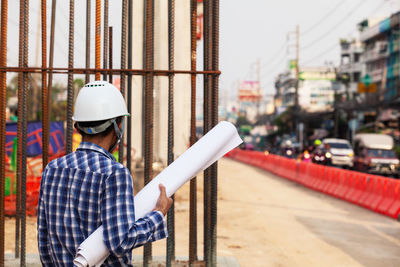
(110, 53)
(23, 118)
(124, 21)
(148, 129)
(105, 40)
(129, 89)
(51, 54)
(214, 121)
(207, 127)
(3, 105)
(193, 182)
(19, 131)
(87, 48)
(170, 156)
(70, 89)
(142, 72)
(45, 100)
(98, 40)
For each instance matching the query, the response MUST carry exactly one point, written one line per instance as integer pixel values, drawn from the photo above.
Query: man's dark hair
(86, 124)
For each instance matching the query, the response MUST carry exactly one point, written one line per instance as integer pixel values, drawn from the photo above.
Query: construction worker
(88, 188)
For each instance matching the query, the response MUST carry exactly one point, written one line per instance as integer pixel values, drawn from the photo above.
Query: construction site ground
(264, 220)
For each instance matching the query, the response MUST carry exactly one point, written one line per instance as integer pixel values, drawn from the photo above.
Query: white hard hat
(99, 100)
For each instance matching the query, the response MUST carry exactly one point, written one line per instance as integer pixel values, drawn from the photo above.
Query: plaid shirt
(81, 191)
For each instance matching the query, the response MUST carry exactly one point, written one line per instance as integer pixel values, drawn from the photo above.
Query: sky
(258, 30)
(250, 30)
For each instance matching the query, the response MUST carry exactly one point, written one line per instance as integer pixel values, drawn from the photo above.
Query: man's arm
(121, 232)
(43, 242)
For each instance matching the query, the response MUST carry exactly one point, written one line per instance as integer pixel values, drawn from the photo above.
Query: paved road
(264, 220)
(275, 222)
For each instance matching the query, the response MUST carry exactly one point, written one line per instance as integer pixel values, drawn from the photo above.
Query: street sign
(363, 88)
(366, 79)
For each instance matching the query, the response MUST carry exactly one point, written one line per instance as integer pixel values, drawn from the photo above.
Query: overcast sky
(249, 30)
(258, 29)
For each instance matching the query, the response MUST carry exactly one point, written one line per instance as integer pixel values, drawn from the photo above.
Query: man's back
(80, 192)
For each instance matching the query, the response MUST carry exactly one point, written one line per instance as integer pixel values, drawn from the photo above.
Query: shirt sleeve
(121, 232)
(43, 242)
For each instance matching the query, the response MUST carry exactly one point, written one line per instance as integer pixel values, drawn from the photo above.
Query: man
(88, 188)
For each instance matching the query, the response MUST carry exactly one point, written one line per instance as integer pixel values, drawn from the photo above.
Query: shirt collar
(94, 147)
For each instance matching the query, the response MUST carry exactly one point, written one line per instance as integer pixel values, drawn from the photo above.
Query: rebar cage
(126, 72)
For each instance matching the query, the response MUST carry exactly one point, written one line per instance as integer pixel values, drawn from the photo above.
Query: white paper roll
(212, 146)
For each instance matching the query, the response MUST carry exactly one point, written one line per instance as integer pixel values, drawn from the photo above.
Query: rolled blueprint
(212, 146)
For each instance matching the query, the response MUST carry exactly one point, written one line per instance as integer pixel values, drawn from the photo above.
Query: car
(374, 154)
(339, 152)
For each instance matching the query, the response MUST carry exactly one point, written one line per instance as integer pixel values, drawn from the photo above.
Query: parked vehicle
(374, 154)
(338, 152)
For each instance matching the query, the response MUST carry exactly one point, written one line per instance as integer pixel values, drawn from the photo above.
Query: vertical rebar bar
(70, 92)
(148, 131)
(87, 50)
(98, 40)
(129, 89)
(193, 182)
(171, 55)
(207, 127)
(3, 104)
(110, 53)
(23, 118)
(45, 100)
(19, 132)
(51, 55)
(105, 43)
(214, 121)
(124, 21)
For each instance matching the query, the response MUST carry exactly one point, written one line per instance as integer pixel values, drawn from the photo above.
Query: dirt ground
(264, 220)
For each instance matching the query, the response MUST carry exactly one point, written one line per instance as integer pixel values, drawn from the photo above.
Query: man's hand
(163, 202)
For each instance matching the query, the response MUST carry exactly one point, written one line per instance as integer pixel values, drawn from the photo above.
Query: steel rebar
(51, 54)
(98, 40)
(19, 131)
(105, 43)
(45, 100)
(70, 89)
(124, 21)
(214, 121)
(110, 53)
(193, 182)
(170, 156)
(3, 104)
(142, 72)
(148, 129)
(129, 89)
(23, 118)
(87, 48)
(207, 127)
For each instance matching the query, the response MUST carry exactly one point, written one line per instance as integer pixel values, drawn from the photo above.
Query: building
(315, 91)
(381, 55)
(349, 71)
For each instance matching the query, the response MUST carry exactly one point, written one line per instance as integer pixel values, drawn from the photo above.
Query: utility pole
(297, 68)
(259, 88)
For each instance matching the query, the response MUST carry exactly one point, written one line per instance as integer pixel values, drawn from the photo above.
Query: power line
(328, 32)
(373, 11)
(275, 56)
(318, 23)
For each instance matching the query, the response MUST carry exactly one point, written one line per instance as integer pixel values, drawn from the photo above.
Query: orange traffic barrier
(380, 194)
(391, 187)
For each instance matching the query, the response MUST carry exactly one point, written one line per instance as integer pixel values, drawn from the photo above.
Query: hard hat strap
(118, 132)
(96, 129)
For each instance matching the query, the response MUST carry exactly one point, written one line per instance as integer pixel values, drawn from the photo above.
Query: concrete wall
(182, 82)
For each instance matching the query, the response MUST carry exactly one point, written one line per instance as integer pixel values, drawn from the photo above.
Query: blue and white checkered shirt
(81, 191)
